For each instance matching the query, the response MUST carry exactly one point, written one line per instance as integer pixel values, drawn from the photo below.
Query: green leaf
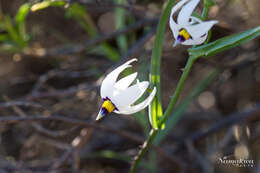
(79, 13)
(12, 31)
(22, 13)
(209, 3)
(46, 4)
(224, 43)
(4, 37)
(110, 52)
(20, 21)
(120, 19)
(155, 108)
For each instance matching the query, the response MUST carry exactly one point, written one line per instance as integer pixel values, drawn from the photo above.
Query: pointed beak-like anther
(177, 42)
(103, 112)
(99, 116)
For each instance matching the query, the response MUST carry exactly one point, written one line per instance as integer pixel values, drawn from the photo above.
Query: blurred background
(54, 55)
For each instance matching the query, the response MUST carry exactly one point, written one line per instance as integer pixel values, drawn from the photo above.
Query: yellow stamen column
(108, 105)
(185, 34)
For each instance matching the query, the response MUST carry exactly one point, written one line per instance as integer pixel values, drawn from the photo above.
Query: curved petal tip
(131, 60)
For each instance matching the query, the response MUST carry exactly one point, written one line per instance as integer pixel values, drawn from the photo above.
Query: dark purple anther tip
(104, 111)
(180, 38)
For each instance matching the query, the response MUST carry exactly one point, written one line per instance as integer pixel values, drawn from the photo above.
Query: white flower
(119, 96)
(189, 30)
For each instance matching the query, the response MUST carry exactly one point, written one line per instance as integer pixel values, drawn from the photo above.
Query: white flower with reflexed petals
(189, 30)
(119, 96)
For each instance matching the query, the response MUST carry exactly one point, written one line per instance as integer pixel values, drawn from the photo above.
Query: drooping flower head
(119, 96)
(189, 30)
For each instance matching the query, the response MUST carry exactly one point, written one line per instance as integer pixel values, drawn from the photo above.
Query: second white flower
(189, 30)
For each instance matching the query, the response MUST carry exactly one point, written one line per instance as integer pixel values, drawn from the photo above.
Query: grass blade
(46, 4)
(120, 18)
(20, 20)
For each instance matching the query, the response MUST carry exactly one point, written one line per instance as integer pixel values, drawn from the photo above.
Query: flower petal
(108, 83)
(198, 30)
(197, 41)
(172, 23)
(140, 106)
(130, 95)
(177, 7)
(186, 11)
(126, 81)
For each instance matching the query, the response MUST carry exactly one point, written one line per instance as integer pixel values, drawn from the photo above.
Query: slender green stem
(178, 90)
(143, 150)
(168, 111)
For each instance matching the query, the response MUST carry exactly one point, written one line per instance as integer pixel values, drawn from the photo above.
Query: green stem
(168, 111)
(178, 90)
(143, 150)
